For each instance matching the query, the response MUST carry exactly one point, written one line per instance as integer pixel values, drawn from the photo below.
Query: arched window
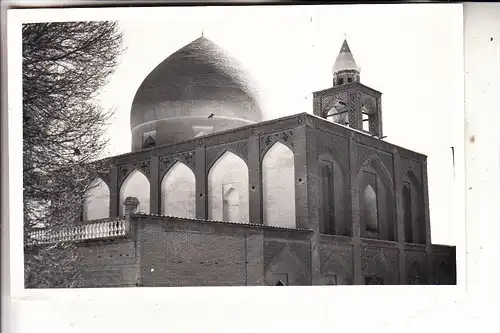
(327, 198)
(149, 142)
(96, 204)
(280, 283)
(376, 201)
(135, 185)
(228, 189)
(278, 182)
(370, 209)
(178, 188)
(413, 208)
(149, 139)
(328, 205)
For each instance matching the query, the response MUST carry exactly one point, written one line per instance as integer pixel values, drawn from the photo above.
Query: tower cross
(345, 35)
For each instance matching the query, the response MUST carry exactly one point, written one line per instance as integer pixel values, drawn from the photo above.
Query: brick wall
(109, 264)
(182, 252)
(336, 255)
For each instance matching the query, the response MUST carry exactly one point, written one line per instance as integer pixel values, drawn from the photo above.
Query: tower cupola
(349, 102)
(345, 69)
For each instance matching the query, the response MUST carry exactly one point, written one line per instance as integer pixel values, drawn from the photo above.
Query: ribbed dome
(345, 60)
(200, 71)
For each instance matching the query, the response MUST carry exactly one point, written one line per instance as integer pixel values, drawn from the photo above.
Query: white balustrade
(88, 231)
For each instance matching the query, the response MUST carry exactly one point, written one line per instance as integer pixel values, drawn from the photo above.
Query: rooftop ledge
(264, 123)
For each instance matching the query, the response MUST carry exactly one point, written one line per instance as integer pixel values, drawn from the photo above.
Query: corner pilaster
(428, 240)
(399, 216)
(356, 225)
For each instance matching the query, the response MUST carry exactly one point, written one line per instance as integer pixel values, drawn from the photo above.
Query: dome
(345, 60)
(198, 86)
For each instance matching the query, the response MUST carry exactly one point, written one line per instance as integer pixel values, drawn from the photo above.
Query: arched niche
(376, 201)
(178, 192)
(96, 202)
(332, 197)
(135, 185)
(414, 274)
(413, 209)
(278, 186)
(228, 189)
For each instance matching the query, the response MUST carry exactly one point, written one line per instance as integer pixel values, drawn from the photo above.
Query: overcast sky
(411, 53)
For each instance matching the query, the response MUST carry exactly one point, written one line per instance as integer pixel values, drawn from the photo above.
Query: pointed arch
(228, 189)
(414, 274)
(178, 188)
(96, 202)
(373, 174)
(413, 209)
(332, 196)
(135, 185)
(278, 186)
(214, 159)
(287, 267)
(370, 208)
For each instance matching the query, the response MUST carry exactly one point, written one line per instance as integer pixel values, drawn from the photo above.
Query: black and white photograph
(242, 146)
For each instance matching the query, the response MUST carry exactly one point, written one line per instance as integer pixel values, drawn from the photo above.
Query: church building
(212, 195)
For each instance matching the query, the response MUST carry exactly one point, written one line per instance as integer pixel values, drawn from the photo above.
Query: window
(280, 283)
(349, 79)
(370, 209)
(341, 81)
(149, 139)
(149, 142)
(366, 122)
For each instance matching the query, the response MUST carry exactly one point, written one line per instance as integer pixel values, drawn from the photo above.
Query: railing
(80, 232)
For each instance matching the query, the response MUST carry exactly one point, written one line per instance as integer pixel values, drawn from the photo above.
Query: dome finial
(202, 32)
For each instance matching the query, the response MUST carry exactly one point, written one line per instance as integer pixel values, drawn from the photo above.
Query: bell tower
(348, 102)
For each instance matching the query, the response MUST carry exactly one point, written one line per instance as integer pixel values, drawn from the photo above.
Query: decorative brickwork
(380, 262)
(239, 148)
(166, 162)
(125, 170)
(267, 141)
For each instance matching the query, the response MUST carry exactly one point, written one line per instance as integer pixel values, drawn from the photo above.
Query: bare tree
(64, 67)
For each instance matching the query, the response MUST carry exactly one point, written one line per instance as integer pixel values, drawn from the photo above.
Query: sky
(411, 53)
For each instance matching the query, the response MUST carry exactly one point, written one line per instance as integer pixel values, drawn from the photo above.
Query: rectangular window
(349, 79)
(366, 122)
(341, 81)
